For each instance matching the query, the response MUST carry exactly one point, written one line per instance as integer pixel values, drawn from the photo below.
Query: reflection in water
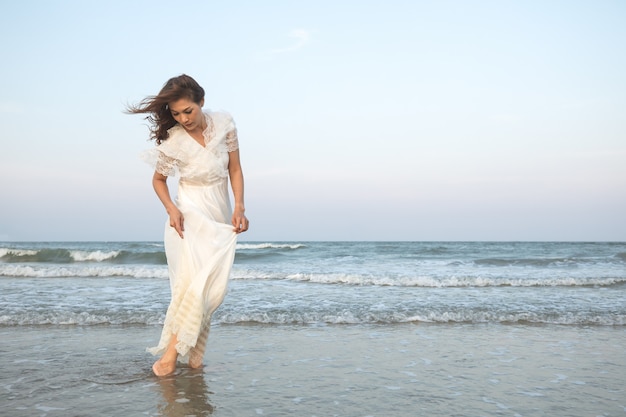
(185, 393)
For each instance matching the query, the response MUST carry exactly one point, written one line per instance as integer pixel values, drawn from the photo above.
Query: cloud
(302, 37)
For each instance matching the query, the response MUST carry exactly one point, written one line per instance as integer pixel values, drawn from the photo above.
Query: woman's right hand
(159, 182)
(177, 221)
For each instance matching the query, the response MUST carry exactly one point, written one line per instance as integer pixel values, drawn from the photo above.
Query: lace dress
(199, 265)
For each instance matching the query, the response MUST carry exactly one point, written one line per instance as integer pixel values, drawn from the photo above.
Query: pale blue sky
(358, 120)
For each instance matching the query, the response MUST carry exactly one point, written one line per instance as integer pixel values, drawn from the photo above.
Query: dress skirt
(199, 264)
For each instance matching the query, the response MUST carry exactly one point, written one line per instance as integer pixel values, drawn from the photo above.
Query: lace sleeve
(232, 142)
(166, 165)
(163, 164)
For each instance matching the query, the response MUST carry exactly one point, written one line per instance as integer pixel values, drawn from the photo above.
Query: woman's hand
(236, 181)
(177, 220)
(240, 222)
(159, 182)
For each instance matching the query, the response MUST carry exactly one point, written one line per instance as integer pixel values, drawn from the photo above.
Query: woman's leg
(167, 363)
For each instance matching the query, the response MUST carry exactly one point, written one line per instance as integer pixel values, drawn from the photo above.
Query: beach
(365, 370)
(321, 329)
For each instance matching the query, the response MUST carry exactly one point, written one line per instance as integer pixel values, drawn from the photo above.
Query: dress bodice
(196, 164)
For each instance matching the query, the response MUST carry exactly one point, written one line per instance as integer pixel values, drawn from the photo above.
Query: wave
(432, 282)
(65, 256)
(545, 262)
(437, 317)
(344, 317)
(161, 272)
(71, 271)
(264, 252)
(118, 256)
(248, 246)
(97, 256)
(79, 318)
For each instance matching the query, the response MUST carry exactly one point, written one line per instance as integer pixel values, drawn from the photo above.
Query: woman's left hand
(240, 221)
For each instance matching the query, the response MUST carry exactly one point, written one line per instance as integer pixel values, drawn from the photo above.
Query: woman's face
(187, 113)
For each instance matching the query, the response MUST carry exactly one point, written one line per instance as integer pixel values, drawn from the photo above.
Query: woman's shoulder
(174, 142)
(175, 132)
(220, 116)
(175, 135)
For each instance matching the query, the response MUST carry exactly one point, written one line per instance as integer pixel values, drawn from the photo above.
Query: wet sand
(351, 370)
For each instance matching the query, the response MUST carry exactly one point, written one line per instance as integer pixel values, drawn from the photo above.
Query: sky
(358, 120)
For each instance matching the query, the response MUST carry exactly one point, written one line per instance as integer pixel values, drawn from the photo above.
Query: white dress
(199, 264)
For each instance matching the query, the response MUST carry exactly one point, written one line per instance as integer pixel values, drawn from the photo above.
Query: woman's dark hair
(160, 116)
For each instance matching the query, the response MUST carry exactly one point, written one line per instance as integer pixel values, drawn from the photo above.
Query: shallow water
(322, 329)
(356, 370)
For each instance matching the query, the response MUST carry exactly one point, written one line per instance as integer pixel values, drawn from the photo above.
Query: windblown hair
(160, 117)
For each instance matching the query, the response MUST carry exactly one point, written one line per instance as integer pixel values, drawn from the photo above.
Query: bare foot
(195, 358)
(163, 369)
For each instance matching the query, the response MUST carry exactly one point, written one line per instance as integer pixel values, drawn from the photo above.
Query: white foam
(57, 271)
(155, 316)
(425, 281)
(98, 256)
(17, 252)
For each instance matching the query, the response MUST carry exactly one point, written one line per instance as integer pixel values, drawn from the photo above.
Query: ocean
(322, 328)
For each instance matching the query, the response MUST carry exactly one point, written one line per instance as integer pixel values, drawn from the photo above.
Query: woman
(202, 147)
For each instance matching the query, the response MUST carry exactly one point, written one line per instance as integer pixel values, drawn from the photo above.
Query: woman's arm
(239, 220)
(159, 182)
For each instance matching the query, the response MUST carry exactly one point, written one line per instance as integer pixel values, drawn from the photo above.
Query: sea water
(321, 329)
(91, 283)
